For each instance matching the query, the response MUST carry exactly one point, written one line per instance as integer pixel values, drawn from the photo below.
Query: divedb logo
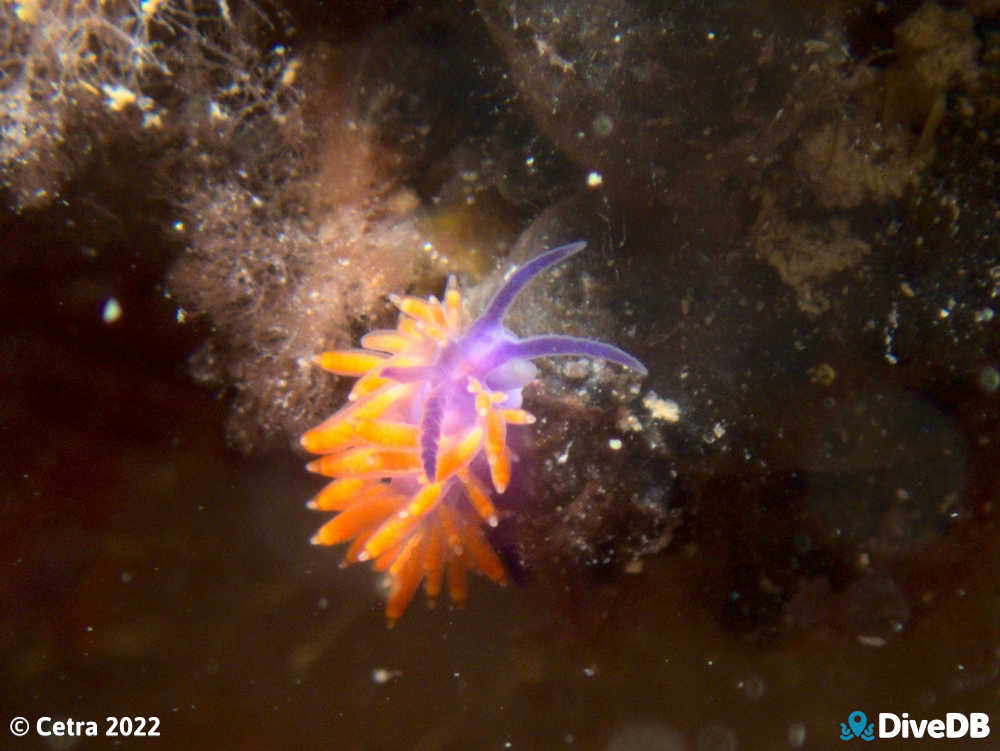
(953, 725)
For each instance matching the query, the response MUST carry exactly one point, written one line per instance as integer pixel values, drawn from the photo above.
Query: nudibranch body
(420, 448)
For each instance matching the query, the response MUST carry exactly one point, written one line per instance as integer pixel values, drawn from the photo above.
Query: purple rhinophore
(494, 356)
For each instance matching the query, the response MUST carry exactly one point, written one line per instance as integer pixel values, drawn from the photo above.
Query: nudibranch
(419, 451)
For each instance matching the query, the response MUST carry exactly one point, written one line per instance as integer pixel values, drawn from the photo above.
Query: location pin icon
(857, 721)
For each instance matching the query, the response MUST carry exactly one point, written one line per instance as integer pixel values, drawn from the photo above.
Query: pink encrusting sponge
(420, 447)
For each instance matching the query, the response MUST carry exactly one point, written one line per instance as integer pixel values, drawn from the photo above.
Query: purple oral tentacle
(495, 311)
(560, 346)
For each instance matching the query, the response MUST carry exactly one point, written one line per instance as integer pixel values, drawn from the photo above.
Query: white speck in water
(564, 456)
(661, 409)
(112, 310)
(384, 675)
(887, 334)
(984, 316)
(576, 369)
